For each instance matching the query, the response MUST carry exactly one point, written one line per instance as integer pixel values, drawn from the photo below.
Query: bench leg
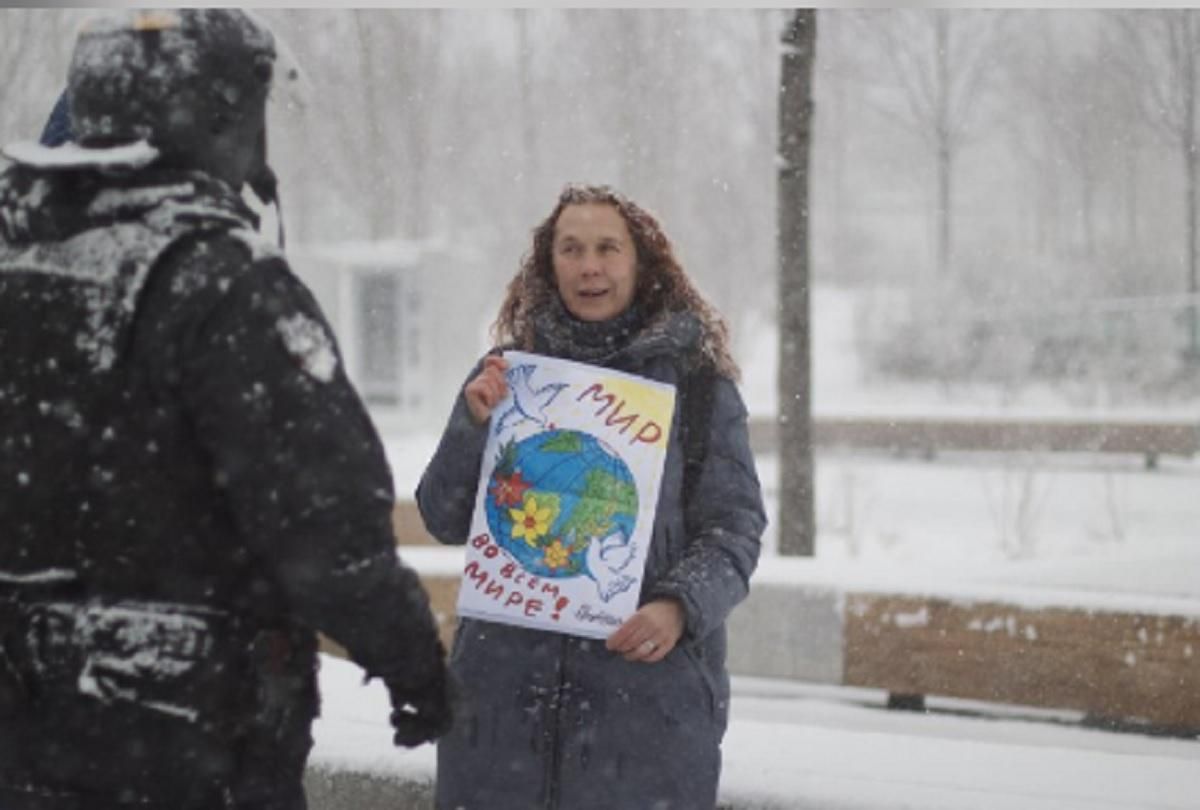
(906, 703)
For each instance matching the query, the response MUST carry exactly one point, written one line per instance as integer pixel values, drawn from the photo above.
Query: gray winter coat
(558, 722)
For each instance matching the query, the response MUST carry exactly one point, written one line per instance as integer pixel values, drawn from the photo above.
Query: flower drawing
(509, 490)
(530, 522)
(556, 555)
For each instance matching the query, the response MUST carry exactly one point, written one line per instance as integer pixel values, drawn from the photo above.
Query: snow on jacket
(184, 463)
(556, 722)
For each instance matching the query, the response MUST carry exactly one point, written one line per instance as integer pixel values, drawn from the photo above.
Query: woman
(552, 721)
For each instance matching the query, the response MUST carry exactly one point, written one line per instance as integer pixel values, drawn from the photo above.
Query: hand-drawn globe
(554, 493)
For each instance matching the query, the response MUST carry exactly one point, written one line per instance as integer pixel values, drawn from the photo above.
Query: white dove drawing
(607, 557)
(529, 403)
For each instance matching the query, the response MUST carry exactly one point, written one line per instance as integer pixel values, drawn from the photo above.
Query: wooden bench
(1116, 667)
(408, 526)
(926, 436)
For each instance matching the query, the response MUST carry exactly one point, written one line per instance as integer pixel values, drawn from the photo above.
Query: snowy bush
(1026, 327)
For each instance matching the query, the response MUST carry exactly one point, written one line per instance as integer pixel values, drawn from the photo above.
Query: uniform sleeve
(447, 489)
(725, 519)
(301, 465)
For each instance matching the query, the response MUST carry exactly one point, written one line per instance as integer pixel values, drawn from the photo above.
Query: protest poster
(567, 496)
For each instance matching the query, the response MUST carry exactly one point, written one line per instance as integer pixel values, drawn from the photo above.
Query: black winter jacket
(555, 722)
(190, 488)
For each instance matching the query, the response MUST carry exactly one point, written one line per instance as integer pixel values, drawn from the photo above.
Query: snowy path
(796, 747)
(847, 755)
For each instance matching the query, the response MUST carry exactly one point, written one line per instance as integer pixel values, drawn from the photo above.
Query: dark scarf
(623, 342)
(558, 333)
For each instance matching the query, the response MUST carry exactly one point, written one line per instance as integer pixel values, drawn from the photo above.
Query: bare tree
(385, 96)
(15, 42)
(527, 114)
(797, 523)
(835, 79)
(35, 44)
(381, 214)
(421, 123)
(1163, 58)
(1072, 120)
(939, 58)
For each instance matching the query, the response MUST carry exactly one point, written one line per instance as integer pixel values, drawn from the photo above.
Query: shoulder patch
(308, 342)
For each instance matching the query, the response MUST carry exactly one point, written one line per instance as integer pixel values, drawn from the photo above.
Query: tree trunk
(945, 165)
(1131, 198)
(1086, 203)
(1192, 174)
(839, 147)
(19, 47)
(380, 208)
(418, 131)
(797, 524)
(1193, 319)
(529, 147)
(945, 155)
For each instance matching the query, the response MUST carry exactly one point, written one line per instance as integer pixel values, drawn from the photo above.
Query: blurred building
(405, 337)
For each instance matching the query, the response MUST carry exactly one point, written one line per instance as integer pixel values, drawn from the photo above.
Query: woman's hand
(651, 633)
(488, 387)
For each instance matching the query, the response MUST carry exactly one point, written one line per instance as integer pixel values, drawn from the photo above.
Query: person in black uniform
(190, 488)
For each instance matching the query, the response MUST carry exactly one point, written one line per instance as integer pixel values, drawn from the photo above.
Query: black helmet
(191, 82)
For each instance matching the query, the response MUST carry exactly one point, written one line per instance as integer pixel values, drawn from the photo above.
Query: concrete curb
(782, 631)
(332, 788)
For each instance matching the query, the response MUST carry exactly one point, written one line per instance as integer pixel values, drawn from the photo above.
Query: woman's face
(595, 261)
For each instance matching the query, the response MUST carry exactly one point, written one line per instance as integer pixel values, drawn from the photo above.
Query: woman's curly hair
(663, 287)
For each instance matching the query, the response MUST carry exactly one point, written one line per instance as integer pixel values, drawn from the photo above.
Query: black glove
(424, 713)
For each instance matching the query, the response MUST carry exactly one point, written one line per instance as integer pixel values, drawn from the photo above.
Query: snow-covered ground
(802, 747)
